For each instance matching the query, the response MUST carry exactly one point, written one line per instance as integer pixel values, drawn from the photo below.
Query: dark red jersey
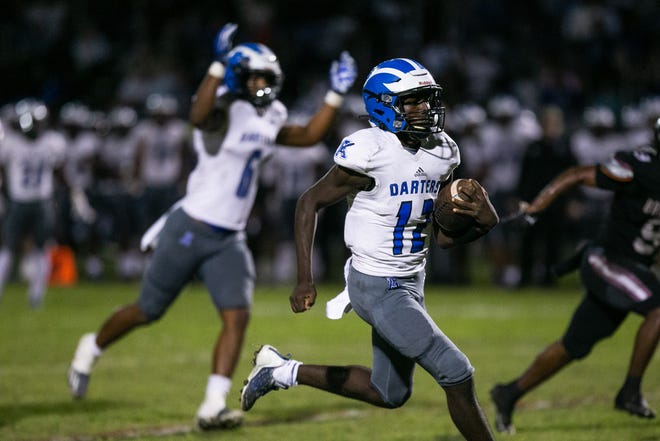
(633, 227)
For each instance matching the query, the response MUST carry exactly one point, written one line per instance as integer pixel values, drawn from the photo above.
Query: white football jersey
(387, 228)
(503, 148)
(222, 187)
(293, 170)
(116, 153)
(81, 151)
(29, 164)
(162, 158)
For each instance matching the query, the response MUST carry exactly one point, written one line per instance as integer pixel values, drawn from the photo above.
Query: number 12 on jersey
(403, 216)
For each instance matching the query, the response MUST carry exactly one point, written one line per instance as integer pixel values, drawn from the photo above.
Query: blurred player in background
(112, 197)
(238, 120)
(616, 273)
(542, 243)
(75, 120)
(290, 173)
(506, 134)
(163, 151)
(391, 174)
(593, 143)
(32, 158)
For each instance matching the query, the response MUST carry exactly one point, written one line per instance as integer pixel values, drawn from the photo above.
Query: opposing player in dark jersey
(615, 272)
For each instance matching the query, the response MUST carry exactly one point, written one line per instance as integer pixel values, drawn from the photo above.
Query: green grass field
(148, 386)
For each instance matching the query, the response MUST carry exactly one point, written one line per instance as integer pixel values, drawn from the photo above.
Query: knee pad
(154, 299)
(446, 363)
(581, 337)
(592, 322)
(153, 316)
(577, 348)
(395, 398)
(152, 312)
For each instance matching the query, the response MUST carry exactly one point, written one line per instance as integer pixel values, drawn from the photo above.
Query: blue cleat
(261, 381)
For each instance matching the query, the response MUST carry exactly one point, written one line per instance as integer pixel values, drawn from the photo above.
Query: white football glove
(343, 73)
(222, 43)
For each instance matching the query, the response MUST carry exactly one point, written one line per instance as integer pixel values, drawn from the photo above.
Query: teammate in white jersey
(391, 174)
(75, 121)
(32, 158)
(238, 121)
(161, 157)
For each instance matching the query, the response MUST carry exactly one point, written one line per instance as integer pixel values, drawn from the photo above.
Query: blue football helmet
(394, 79)
(253, 58)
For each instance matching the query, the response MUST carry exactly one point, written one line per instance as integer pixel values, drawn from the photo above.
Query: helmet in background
(161, 104)
(31, 115)
(599, 117)
(504, 107)
(75, 114)
(121, 119)
(253, 58)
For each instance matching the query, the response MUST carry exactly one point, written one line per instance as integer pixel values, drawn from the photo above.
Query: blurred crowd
(132, 165)
(514, 152)
(530, 88)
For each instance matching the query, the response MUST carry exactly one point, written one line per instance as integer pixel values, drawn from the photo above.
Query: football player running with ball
(616, 274)
(238, 122)
(390, 174)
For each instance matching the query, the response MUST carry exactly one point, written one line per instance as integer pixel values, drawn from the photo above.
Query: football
(454, 224)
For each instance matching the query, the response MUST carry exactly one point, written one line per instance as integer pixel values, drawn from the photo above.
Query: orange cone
(63, 270)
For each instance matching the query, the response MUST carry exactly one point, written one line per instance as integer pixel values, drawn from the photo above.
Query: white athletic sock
(39, 278)
(215, 400)
(6, 261)
(86, 354)
(218, 384)
(287, 374)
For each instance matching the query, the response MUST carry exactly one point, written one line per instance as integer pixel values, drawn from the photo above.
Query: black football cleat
(634, 404)
(504, 404)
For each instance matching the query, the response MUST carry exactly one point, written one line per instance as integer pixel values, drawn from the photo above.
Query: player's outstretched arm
(342, 76)
(579, 175)
(338, 183)
(204, 98)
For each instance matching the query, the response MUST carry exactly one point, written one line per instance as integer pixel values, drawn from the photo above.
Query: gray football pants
(403, 334)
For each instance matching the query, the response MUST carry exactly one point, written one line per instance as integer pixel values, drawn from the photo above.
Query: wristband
(216, 70)
(333, 98)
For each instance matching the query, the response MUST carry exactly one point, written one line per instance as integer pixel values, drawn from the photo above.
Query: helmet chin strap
(408, 140)
(416, 134)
